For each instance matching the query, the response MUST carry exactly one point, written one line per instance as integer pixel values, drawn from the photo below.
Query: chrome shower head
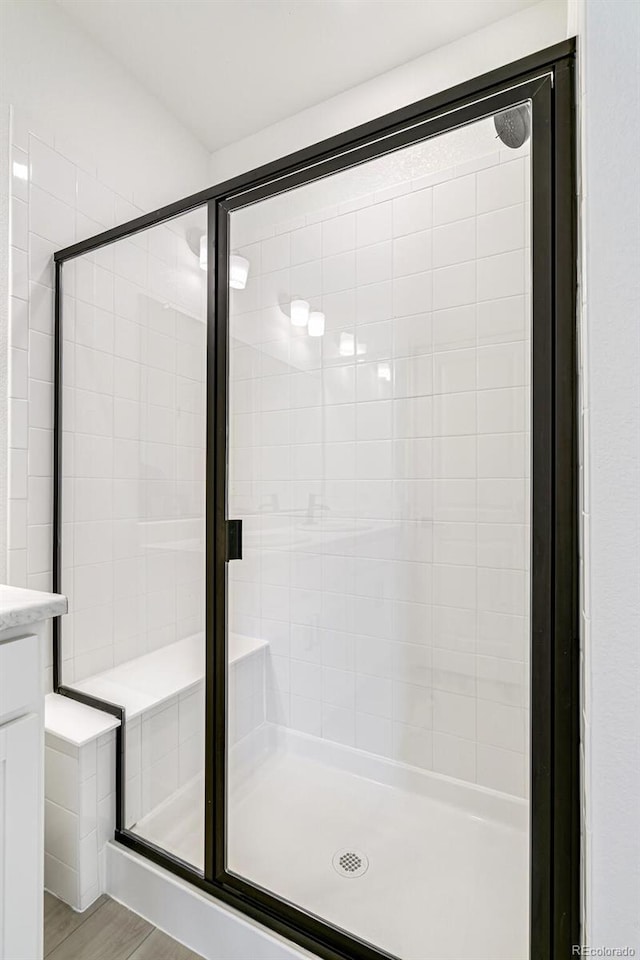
(513, 126)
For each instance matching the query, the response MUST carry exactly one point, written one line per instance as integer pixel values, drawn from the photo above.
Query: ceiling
(228, 68)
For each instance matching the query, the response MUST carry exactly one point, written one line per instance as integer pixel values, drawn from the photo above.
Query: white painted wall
(610, 55)
(535, 28)
(57, 83)
(72, 93)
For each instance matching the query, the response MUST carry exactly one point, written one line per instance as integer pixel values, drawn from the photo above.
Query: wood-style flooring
(106, 931)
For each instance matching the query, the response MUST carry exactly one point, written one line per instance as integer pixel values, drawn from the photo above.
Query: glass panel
(379, 620)
(133, 500)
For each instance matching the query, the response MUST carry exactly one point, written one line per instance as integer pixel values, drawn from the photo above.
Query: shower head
(513, 126)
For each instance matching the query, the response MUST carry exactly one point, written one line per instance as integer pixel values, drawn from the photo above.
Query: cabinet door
(21, 839)
(20, 675)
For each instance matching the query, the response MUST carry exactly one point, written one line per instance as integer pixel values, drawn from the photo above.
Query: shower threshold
(450, 884)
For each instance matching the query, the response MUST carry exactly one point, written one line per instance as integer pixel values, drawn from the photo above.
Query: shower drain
(350, 863)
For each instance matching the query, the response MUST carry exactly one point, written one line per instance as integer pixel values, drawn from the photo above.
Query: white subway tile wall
(164, 750)
(80, 806)
(382, 470)
(133, 466)
(133, 461)
(164, 746)
(133, 409)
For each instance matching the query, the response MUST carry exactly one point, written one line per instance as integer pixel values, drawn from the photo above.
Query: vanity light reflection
(238, 266)
(299, 313)
(316, 323)
(238, 271)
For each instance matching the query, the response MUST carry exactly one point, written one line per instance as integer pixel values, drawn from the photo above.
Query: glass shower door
(378, 747)
(133, 415)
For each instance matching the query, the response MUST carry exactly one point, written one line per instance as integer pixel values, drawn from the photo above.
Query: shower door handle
(234, 539)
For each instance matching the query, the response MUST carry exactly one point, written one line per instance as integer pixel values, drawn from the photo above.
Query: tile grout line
(144, 940)
(81, 924)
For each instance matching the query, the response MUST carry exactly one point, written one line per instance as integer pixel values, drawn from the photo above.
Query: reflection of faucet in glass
(312, 507)
(270, 504)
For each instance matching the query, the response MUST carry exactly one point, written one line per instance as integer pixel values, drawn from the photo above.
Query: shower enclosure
(315, 499)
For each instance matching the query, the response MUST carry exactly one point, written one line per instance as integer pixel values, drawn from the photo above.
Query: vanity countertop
(20, 606)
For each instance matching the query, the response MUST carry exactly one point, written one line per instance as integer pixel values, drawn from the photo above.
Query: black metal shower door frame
(546, 81)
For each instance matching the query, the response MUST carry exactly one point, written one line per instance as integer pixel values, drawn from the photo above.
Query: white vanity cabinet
(23, 615)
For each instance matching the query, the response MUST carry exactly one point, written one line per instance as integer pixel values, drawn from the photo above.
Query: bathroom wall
(58, 85)
(133, 461)
(610, 397)
(134, 469)
(535, 28)
(608, 34)
(505, 41)
(66, 89)
(79, 163)
(385, 494)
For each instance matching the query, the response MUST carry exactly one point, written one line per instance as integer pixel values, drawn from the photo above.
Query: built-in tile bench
(162, 694)
(80, 800)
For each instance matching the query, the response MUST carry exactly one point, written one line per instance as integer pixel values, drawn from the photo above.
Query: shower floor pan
(447, 874)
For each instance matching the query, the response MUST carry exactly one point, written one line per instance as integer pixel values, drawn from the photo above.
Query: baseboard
(189, 915)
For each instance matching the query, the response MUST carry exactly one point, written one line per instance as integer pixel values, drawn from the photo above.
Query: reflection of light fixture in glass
(384, 372)
(362, 349)
(238, 266)
(20, 170)
(316, 324)
(347, 345)
(299, 313)
(238, 271)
